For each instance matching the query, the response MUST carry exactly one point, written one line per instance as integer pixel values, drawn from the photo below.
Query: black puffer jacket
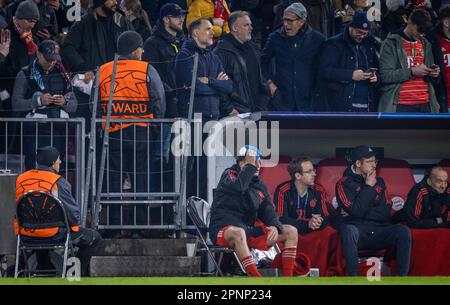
(240, 199)
(160, 50)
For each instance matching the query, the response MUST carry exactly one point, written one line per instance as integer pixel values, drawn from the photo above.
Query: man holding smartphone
(348, 67)
(407, 68)
(43, 90)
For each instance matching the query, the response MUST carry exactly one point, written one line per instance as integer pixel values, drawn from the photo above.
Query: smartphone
(57, 95)
(434, 67)
(372, 70)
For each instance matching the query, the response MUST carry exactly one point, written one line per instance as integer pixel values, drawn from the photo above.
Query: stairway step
(140, 266)
(143, 247)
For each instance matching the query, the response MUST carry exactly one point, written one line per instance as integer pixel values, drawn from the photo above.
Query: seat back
(329, 171)
(40, 210)
(199, 212)
(273, 176)
(445, 164)
(397, 176)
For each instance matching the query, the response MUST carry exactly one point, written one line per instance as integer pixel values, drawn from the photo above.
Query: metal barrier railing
(19, 138)
(141, 180)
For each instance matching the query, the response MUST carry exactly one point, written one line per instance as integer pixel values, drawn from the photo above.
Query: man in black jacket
(161, 49)
(428, 203)
(345, 66)
(365, 214)
(91, 42)
(241, 63)
(243, 216)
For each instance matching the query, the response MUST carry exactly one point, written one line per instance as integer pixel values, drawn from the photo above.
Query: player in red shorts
(243, 215)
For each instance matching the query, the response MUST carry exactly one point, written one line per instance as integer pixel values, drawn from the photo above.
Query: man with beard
(241, 61)
(428, 203)
(160, 50)
(91, 41)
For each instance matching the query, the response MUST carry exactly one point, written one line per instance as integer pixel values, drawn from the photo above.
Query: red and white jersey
(414, 91)
(445, 48)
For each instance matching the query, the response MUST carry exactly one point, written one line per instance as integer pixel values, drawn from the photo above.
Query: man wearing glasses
(299, 202)
(364, 214)
(289, 61)
(348, 67)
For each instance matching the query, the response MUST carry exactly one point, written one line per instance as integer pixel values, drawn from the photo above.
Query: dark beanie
(97, 3)
(27, 10)
(128, 42)
(47, 155)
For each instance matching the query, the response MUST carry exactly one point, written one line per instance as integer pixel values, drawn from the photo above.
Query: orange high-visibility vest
(37, 180)
(130, 98)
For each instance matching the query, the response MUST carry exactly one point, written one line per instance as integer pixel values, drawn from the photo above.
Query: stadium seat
(273, 176)
(38, 210)
(329, 171)
(445, 163)
(397, 176)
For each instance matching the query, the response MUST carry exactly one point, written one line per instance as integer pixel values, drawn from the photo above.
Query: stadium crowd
(342, 56)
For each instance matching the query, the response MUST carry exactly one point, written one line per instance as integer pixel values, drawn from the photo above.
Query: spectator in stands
(211, 82)
(217, 10)
(243, 216)
(91, 41)
(407, 76)
(349, 9)
(289, 61)
(365, 222)
(160, 50)
(212, 79)
(47, 25)
(440, 41)
(396, 17)
(300, 202)
(43, 89)
(46, 178)
(128, 156)
(22, 48)
(345, 66)
(428, 203)
(241, 62)
(137, 16)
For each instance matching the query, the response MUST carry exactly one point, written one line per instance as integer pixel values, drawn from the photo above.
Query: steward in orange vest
(46, 178)
(138, 91)
(138, 94)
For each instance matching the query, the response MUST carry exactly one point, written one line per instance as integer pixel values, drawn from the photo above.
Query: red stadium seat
(273, 176)
(446, 165)
(329, 171)
(397, 176)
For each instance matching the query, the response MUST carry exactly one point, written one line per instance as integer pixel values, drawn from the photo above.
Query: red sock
(288, 260)
(249, 265)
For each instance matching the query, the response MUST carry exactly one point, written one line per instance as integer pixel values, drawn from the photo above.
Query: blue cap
(360, 21)
(243, 151)
(50, 50)
(171, 9)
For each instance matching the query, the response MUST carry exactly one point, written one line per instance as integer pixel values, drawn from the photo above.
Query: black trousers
(85, 239)
(128, 157)
(369, 237)
(426, 108)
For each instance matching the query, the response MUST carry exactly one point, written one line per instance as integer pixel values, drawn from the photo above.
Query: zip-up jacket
(240, 199)
(291, 211)
(424, 205)
(365, 204)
